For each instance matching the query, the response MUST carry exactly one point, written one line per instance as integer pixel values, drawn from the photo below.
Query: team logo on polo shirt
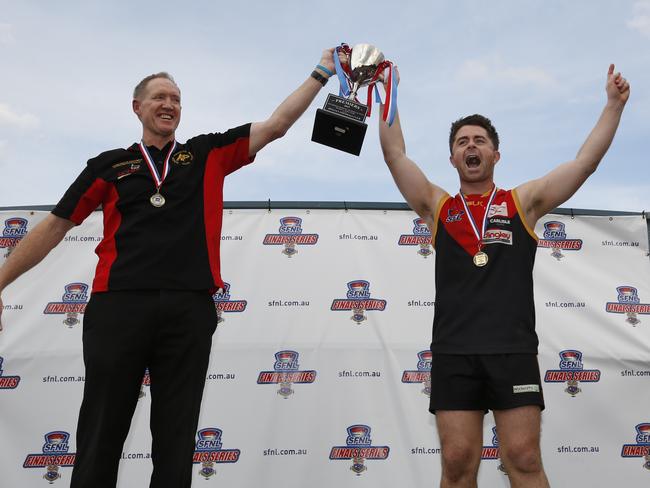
(55, 455)
(422, 374)
(15, 229)
(642, 447)
(421, 237)
(358, 447)
(572, 371)
(209, 451)
(498, 210)
(358, 300)
(182, 158)
(7, 382)
(555, 238)
(290, 235)
(224, 304)
(146, 382)
(492, 452)
(285, 373)
(73, 302)
(628, 303)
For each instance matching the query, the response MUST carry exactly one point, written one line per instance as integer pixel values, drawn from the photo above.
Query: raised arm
(542, 195)
(290, 109)
(421, 195)
(32, 249)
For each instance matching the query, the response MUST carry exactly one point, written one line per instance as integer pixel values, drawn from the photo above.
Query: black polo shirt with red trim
(484, 309)
(175, 246)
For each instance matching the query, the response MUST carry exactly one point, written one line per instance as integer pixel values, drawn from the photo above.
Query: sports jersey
(484, 309)
(176, 245)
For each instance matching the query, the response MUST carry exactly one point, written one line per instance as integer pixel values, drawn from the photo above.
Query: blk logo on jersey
(209, 451)
(14, 230)
(290, 235)
(7, 382)
(492, 452)
(286, 372)
(358, 447)
(420, 237)
(572, 372)
(224, 304)
(73, 302)
(628, 303)
(555, 238)
(422, 374)
(641, 448)
(55, 456)
(358, 300)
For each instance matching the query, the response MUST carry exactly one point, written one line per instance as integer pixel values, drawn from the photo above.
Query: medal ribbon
(485, 216)
(344, 80)
(158, 180)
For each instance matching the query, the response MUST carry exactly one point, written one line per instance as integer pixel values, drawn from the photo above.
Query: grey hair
(140, 87)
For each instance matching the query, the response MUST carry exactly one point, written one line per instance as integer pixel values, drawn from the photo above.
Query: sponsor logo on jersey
(285, 373)
(73, 302)
(572, 372)
(132, 163)
(555, 238)
(7, 382)
(641, 448)
(358, 447)
(14, 230)
(422, 374)
(454, 215)
(628, 303)
(224, 304)
(290, 235)
(209, 451)
(498, 210)
(358, 300)
(420, 237)
(183, 158)
(54, 456)
(497, 236)
(492, 452)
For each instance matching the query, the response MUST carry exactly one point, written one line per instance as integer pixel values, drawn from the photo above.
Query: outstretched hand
(617, 87)
(327, 59)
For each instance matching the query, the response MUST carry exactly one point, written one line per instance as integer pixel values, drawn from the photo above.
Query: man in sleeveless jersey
(159, 264)
(485, 356)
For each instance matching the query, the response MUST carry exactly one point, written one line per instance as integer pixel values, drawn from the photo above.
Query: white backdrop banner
(320, 364)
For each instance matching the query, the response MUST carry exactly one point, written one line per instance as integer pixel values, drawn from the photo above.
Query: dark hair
(475, 119)
(140, 87)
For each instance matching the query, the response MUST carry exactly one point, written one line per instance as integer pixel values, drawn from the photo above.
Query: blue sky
(536, 68)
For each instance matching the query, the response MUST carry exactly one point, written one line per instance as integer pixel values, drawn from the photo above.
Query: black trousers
(124, 332)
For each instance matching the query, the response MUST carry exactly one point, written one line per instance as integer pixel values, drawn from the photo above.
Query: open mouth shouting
(472, 161)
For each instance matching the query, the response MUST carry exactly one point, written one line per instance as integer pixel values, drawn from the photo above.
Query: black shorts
(485, 382)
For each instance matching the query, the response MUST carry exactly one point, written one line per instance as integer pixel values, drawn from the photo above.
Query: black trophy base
(338, 131)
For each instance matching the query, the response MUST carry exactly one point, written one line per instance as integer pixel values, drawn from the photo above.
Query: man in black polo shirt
(151, 305)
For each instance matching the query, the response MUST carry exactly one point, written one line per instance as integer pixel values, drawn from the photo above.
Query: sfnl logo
(492, 452)
(555, 238)
(628, 303)
(55, 455)
(358, 301)
(572, 372)
(15, 229)
(422, 374)
(73, 302)
(286, 372)
(359, 448)
(420, 237)
(7, 382)
(224, 304)
(209, 451)
(642, 447)
(290, 235)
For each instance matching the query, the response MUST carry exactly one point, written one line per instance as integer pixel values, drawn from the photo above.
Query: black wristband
(319, 78)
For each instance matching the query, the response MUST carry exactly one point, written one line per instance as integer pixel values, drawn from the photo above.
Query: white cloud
(641, 20)
(22, 121)
(494, 70)
(7, 34)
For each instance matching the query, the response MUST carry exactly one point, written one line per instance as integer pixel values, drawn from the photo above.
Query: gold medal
(480, 259)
